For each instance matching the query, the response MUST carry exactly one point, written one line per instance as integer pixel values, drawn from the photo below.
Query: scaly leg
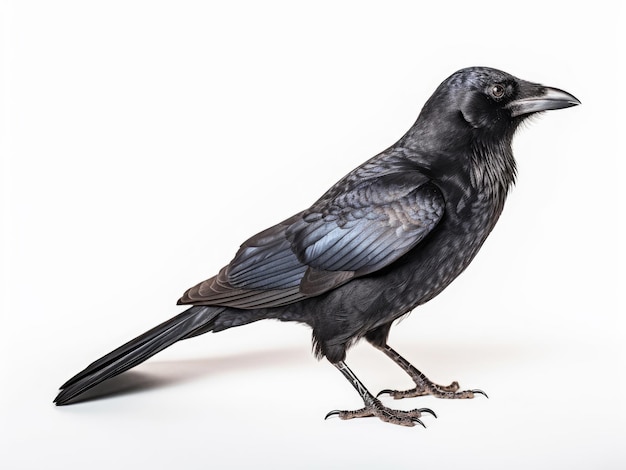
(373, 406)
(423, 386)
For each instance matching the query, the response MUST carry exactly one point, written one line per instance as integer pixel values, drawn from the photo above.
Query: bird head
(486, 103)
(489, 98)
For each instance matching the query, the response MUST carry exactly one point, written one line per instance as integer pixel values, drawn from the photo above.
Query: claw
(427, 410)
(417, 420)
(385, 392)
(332, 413)
(476, 390)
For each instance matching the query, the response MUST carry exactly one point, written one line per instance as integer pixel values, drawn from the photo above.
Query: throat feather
(493, 168)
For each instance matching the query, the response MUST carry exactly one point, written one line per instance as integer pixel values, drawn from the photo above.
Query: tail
(191, 322)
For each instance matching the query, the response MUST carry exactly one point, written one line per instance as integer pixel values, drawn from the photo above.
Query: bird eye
(497, 91)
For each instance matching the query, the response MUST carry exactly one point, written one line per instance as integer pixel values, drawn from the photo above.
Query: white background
(142, 141)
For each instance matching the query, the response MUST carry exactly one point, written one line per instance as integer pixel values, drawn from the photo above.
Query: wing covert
(370, 227)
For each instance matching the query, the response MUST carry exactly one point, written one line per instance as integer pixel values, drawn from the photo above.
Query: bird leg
(373, 406)
(423, 386)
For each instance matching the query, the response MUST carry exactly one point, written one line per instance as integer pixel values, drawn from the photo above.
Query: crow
(389, 236)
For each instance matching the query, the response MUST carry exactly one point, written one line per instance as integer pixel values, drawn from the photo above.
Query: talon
(417, 420)
(332, 413)
(477, 391)
(385, 392)
(427, 410)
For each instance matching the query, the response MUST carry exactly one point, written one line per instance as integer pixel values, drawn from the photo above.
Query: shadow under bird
(389, 236)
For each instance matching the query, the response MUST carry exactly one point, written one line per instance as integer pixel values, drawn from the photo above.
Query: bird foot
(426, 387)
(388, 415)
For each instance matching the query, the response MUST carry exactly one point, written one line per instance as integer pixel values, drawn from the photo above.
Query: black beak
(541, 98)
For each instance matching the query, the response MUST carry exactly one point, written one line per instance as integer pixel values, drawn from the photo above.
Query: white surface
(143, 141)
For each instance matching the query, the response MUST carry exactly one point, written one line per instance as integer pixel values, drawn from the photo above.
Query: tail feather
(138, 350)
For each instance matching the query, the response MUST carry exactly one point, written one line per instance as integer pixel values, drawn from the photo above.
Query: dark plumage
(389, 236)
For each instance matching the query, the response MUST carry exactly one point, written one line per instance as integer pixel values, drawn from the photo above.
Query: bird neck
(486, 161)
(492, 166)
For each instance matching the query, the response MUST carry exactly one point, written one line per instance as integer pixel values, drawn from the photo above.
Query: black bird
(389, 236)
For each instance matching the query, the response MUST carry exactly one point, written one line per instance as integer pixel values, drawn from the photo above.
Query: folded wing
(346, 234)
